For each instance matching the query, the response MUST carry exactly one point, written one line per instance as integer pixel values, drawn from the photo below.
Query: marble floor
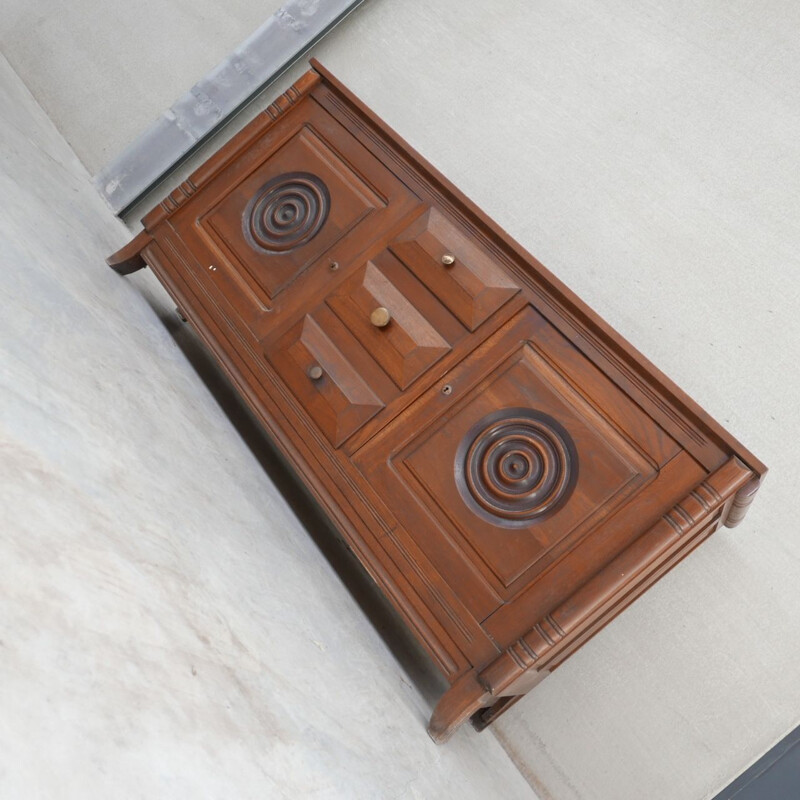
(175, 619)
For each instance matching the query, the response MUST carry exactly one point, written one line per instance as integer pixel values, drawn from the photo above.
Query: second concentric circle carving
(516, 466)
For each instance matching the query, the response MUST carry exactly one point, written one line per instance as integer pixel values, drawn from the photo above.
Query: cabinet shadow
(412, 658)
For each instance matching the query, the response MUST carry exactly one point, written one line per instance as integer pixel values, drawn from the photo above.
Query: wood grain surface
(509, 470)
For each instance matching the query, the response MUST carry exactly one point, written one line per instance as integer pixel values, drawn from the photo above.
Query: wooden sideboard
(508, 469)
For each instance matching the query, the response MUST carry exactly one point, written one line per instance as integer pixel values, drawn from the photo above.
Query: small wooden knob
(380, 317)
(315, 372)
(448, 259)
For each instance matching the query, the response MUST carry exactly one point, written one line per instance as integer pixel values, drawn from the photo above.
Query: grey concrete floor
(175, 620)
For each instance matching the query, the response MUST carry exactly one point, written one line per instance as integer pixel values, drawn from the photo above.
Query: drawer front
(455, 267)
(388, 323)
(510, 460)
(266, 231)
(322, 376)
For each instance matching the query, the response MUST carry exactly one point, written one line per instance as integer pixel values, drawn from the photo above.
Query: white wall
(104, 69)
(648, 154)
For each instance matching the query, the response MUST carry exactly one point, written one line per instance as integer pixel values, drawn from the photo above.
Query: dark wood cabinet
(509, 470)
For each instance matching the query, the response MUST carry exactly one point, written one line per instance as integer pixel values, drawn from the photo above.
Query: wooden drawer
(455, 267)
(321, 371)
(388, 322)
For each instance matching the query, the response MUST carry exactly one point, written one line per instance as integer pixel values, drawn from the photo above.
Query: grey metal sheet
(258, 61)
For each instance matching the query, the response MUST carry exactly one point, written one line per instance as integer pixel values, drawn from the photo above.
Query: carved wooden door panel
(510, 460)
(307, 197)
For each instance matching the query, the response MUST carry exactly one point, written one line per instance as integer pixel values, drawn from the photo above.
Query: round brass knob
(315, 372)
(380, 317)
(448, 259)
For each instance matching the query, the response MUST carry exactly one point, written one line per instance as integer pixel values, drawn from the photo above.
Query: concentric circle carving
(516, 466)
(286, 212)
